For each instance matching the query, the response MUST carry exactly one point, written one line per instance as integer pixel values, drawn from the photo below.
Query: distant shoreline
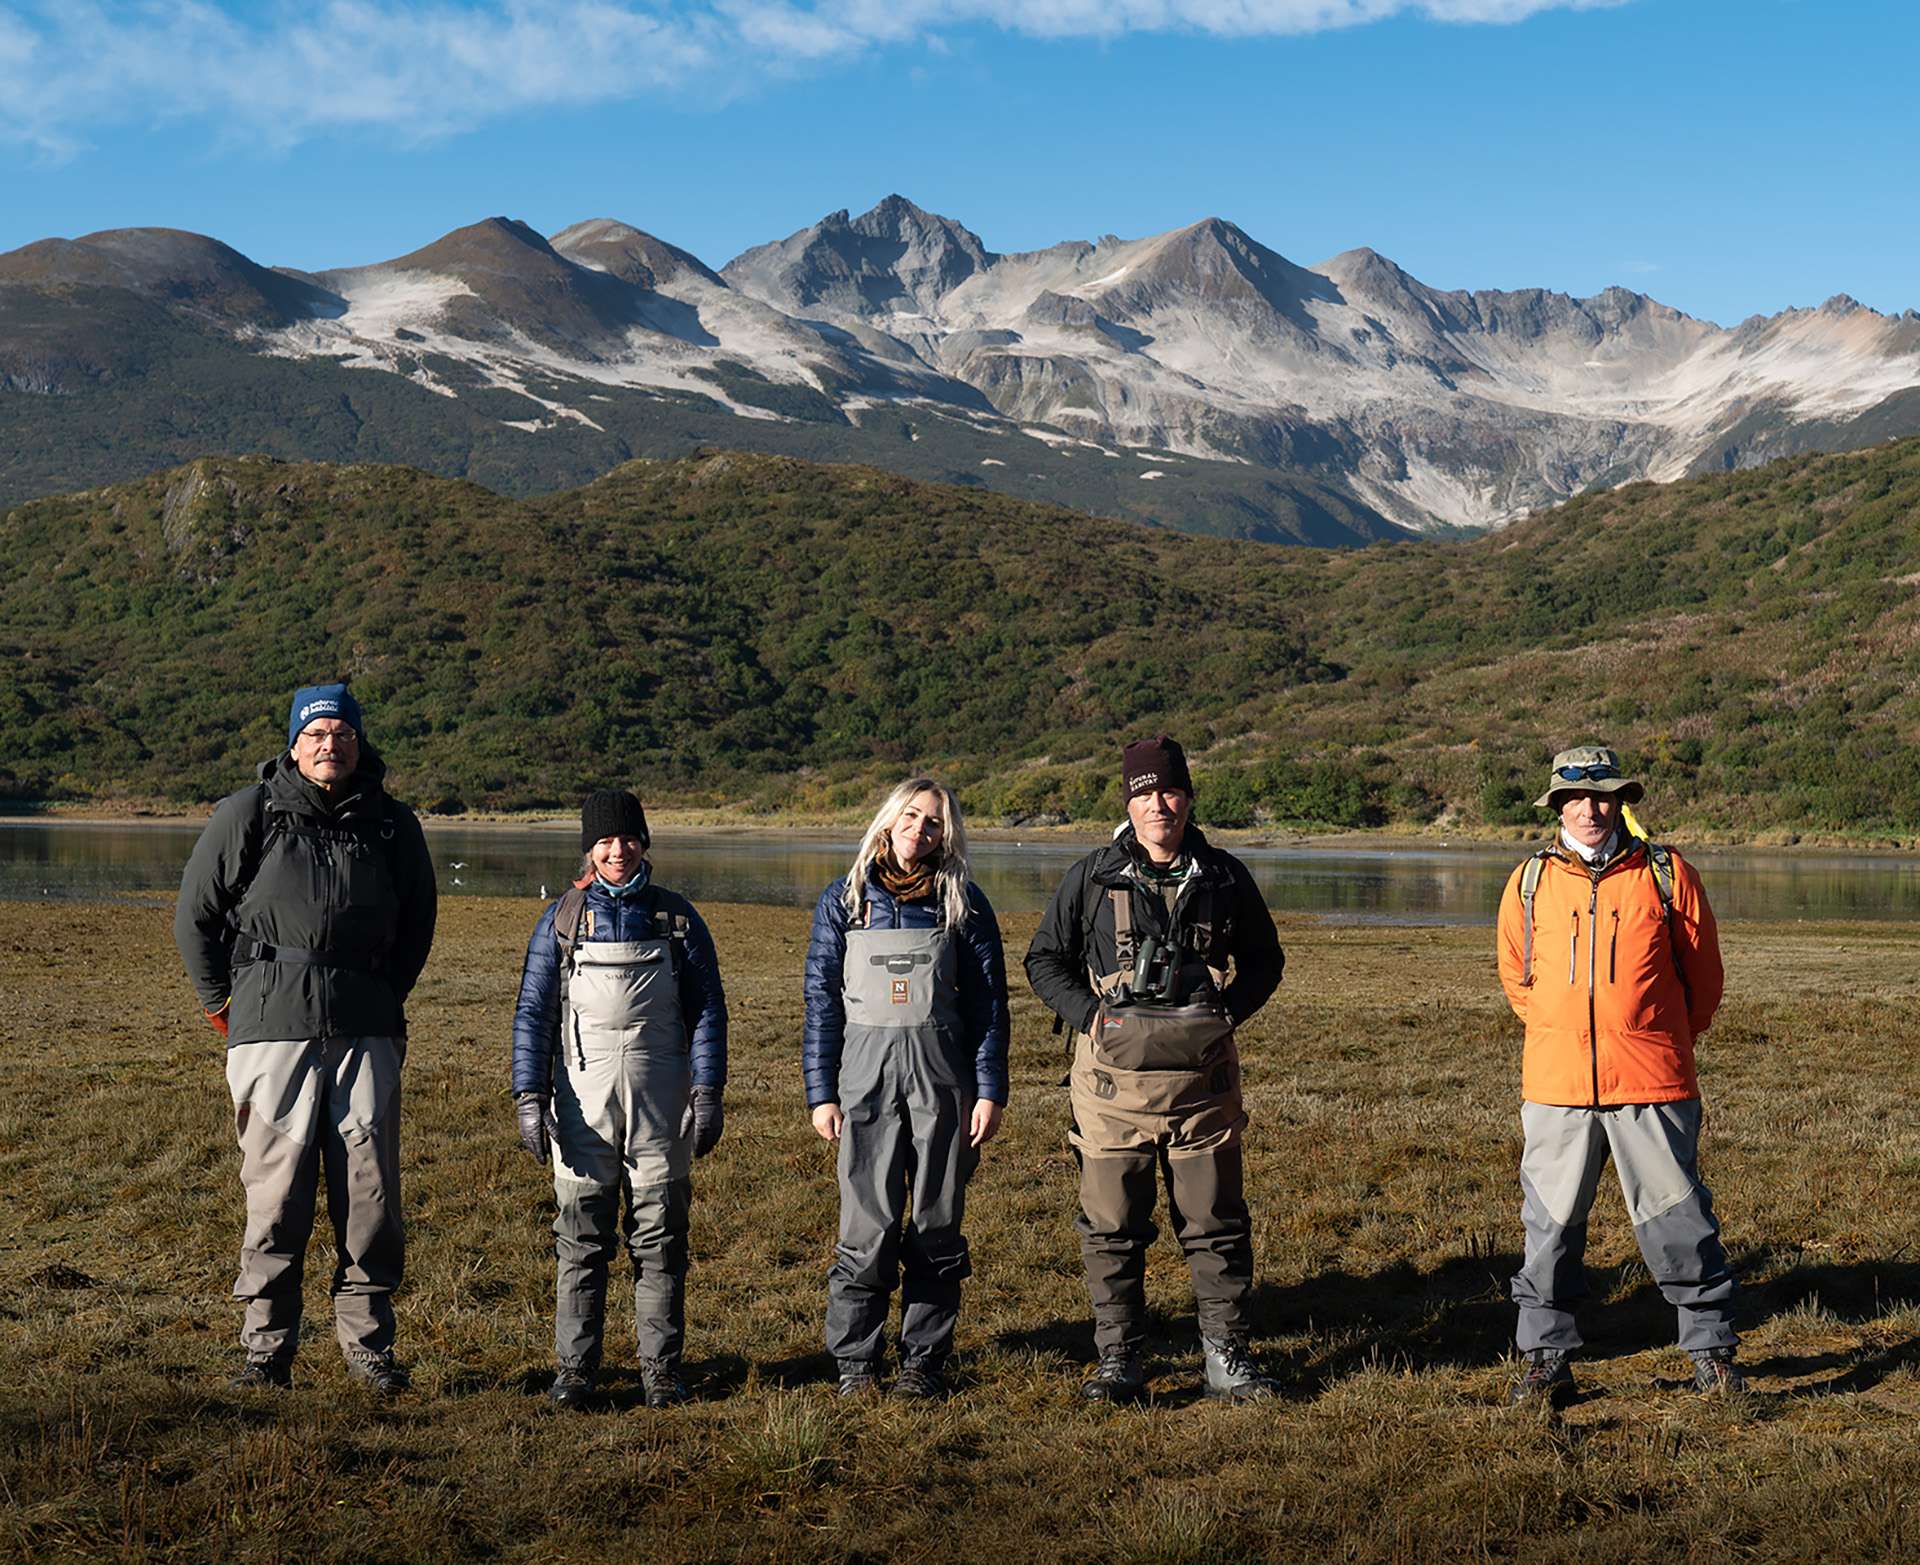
(720, 823)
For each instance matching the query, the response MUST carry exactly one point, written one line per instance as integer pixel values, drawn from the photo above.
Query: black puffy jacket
(315, 916)
(1077, 932)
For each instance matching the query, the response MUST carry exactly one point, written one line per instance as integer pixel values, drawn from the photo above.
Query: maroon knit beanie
(1156, 765)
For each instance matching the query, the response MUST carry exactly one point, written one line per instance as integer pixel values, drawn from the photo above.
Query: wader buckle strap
(1125, 941)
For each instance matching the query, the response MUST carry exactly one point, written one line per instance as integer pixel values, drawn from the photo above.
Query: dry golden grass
(1383, 1084)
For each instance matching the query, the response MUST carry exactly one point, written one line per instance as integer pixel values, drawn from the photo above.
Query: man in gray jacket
(306, 913)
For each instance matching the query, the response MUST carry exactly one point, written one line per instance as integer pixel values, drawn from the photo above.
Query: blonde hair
(950, 872)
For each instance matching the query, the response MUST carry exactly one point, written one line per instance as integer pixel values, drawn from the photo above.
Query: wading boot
(264, 1374)
(1546, 1381)
(1714, 1374)
(662, 1382)
(571, 1387)
(1118, 1377)
(378, 1373)
(858, 1378)
(920, 1381)
(1232, 1373)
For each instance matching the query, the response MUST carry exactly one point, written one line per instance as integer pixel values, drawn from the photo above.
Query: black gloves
(705, 1118)
(530, 1109)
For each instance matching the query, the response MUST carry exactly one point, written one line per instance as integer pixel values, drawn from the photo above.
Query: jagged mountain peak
(895, 258)
(630, 254)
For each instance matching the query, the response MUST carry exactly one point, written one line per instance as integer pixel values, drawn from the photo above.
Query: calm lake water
(1399, 885)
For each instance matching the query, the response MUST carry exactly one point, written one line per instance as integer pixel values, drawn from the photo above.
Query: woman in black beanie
(619, 1061)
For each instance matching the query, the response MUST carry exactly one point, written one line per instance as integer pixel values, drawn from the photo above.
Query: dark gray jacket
(315, 917)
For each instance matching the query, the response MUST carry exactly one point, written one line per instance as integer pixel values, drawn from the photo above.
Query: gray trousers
(303, 1108)
(904, 1166)
(1655, 1153)
(1207, 1204)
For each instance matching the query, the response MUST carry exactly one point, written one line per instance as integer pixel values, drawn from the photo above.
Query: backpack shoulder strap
(262, 828)
(1530, 884)
(1660, 861)
(567, 915)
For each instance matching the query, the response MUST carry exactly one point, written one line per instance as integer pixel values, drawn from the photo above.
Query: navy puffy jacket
(982, 974)
(536, 1020)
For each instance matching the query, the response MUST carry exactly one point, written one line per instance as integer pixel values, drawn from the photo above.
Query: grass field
(1383, 1088)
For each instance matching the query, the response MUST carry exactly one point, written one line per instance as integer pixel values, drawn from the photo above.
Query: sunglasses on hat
(1597, 773)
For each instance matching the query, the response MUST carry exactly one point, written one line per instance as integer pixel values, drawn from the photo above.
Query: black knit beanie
(612, 812)
(1156, 765)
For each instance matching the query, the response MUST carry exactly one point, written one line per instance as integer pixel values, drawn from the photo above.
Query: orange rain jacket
(1608, 1017)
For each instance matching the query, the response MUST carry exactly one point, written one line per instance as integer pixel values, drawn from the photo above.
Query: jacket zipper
(1573, 951)
(1613, 945)
(1593, 942)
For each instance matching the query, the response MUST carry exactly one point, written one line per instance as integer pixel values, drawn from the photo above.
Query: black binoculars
(1155, 974)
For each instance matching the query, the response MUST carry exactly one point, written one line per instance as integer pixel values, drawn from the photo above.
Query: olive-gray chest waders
(907, 1090)
(899, 991)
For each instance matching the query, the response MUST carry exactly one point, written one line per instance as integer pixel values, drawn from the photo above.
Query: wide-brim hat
(1588, 768)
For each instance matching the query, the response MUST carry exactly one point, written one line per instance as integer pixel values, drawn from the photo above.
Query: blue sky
(1726, 156)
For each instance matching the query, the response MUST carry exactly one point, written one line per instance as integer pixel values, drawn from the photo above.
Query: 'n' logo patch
(900, 991)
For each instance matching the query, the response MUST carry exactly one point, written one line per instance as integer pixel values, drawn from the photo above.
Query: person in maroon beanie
(1155, 948)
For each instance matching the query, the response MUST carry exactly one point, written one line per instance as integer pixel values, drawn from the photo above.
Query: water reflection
(1373, 885)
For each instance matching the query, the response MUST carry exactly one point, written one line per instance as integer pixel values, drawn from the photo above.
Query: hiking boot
(662, 1382)
(1714, 1374)
(264, 1374)
(571, 1387)
(859, 1378)
(378, 1373)
(920, 1382)
(1548, 1378)
(1118, 1377)
(1232, 1373)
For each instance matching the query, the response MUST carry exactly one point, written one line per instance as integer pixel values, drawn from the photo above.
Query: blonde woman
(905, 1057)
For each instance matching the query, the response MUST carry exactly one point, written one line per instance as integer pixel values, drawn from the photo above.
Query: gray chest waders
(1156, 1086)
(907, 1092)
(621, 1088)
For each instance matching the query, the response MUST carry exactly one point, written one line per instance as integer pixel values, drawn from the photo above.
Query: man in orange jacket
(1608, 953)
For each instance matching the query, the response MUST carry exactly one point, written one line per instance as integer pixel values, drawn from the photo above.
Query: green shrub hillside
(762, 632)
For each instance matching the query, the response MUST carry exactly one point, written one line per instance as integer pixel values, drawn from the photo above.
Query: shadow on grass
(1459, 1314)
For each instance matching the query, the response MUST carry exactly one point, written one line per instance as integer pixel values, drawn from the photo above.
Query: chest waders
(907, 1091)
(1155, 1090)
(622, 1082)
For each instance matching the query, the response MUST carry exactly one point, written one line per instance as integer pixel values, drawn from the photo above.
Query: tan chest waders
(622, 1082)
(907, 1090)
(1155, 1088)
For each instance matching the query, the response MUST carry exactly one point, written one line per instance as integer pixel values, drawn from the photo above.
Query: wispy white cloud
(284, 72)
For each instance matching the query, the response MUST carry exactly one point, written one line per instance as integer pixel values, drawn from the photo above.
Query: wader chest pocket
(1159, 1038)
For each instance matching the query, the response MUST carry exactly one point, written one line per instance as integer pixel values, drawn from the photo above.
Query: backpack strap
(1660, 863)
(1529, 885)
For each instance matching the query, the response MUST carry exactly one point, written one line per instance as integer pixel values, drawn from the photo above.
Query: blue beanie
(313, 701)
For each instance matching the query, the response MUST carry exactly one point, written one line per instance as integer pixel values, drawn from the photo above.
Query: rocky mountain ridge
(1195, 377)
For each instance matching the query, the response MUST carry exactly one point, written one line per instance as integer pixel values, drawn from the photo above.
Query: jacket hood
(289, 789)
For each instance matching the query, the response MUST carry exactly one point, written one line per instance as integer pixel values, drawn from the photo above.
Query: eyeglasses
(1599, 773)
(319, 736)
